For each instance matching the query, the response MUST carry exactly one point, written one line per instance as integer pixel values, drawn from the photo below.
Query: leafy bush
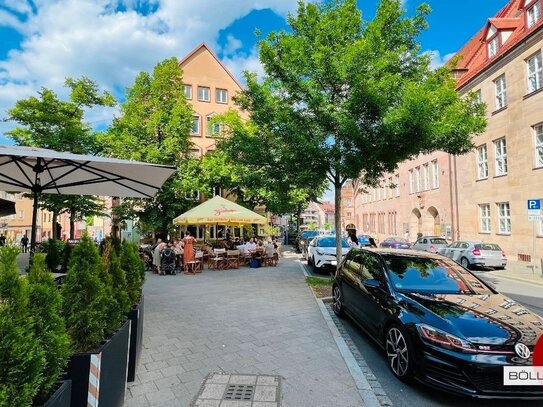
(45, 305)
(114, 310)
(134, 269)
(66, 255)
(21, 357)
(54, 250)
(85, 305)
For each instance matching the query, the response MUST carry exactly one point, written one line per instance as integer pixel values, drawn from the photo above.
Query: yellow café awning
(219, 211)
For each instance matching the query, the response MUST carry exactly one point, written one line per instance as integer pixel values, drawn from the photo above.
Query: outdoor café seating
(196, 265)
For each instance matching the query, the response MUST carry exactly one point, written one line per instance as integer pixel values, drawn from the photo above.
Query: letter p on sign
(534, 204)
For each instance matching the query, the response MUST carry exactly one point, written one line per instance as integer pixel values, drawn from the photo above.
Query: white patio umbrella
(38, 170)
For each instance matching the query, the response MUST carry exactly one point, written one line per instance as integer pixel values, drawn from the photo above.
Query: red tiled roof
(473, 58)
(328, 207)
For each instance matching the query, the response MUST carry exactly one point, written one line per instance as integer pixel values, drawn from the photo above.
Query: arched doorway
(415, 224)
(433, 221)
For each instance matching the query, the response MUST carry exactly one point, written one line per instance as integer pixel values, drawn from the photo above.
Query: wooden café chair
(232, 259)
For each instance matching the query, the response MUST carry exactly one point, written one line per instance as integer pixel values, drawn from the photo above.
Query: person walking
(2, 240)
(372, 242)
(188, 249)
(352, 240)
(24, 243)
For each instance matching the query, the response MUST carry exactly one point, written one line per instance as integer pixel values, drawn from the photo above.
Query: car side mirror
(371, 283)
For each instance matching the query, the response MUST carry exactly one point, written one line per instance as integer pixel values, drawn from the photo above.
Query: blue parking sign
(534, 204)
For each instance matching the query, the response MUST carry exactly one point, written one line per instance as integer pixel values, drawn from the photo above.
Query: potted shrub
(45, 304)
(134, 269)
(87, 313)
(22, 359)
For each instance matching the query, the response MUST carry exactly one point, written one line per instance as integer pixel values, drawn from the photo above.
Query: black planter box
(136, 339)
(62, 395)
(101, 373)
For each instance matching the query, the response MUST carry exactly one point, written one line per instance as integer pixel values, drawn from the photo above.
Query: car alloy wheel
(337, 304)
(464, 262)
(398, 355)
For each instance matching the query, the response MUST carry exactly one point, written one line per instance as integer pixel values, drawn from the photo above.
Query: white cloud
(232, 45)
(238, 64)
(89, 37)
(436, 60)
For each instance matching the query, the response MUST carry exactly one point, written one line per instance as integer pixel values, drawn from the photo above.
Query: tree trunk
(72, 223)
(337, 218)
(298, 216)
(54, 226)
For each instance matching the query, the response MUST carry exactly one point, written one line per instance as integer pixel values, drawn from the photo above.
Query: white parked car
(321, 253)
(429, 244)
(476, 254)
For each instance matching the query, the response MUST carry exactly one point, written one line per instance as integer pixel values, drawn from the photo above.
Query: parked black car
(303, 239)
(437, 322)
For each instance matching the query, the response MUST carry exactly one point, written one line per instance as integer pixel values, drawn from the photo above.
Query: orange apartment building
(481, 195)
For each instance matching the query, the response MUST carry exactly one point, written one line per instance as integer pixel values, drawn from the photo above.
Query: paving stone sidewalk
(248, 321)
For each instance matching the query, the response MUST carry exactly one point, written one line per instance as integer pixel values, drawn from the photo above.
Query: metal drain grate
(242, 392)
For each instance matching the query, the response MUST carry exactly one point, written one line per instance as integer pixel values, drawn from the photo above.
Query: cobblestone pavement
(248, 321)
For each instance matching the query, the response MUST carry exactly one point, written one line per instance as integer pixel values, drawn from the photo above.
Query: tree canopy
(344, 98)
(154, 127)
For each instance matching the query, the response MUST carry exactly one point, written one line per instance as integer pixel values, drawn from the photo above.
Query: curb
(362, 385)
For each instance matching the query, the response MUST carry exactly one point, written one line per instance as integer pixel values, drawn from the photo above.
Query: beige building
(319, 215)
(415, 199)
(502, 64)
(209, 88)
(481, 195)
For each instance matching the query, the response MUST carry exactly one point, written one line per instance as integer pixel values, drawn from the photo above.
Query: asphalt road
(418, 395)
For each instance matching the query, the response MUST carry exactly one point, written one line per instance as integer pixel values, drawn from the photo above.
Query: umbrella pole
(34, 221)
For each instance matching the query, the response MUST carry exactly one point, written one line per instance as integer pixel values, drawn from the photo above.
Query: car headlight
(320, 252)
(443, 339)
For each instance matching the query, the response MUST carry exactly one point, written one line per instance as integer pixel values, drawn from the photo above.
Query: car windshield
(307, 235)
(331, 242)
(488, 246)
(431, 276)
(438, 241)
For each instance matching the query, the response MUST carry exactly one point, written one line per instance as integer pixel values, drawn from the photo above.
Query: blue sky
(110, 41)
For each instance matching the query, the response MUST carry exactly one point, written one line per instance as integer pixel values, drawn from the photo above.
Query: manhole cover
(239, 392)
(247, 390)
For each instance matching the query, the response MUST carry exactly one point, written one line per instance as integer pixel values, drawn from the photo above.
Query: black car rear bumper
(460, 375)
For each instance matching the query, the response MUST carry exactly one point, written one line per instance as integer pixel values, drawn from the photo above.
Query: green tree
(154, 126)
(258, 169)
(114, 312)
(45, 305)
(134, 269)
(350, 99)
(22, 359)
(85, 308)
(48, 122)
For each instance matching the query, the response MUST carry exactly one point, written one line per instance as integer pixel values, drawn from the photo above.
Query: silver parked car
(429, 244)
(476, 254)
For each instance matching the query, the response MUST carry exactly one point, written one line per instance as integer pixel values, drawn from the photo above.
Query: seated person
(251, 246)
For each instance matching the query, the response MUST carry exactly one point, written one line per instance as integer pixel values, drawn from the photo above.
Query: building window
(195, 125)
(221, 96)
(192, 195)
(435, 174)
(203, 94)
(378, 193)
(504, 217)
(397, 182)
(533, 14)
(478, 97)
(188, 92)
(493, 47)
(535, 72)
(538, 132)
(500, 147)
(411, 182)
(484, 218)
(417, 179)
(501, 92)
(389, 188)
(212, 129)
(426, 169)
(217, 191)
(482, 162)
